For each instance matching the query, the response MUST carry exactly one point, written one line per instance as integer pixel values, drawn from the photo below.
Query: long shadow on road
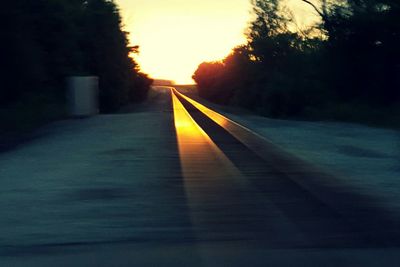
(358, 223)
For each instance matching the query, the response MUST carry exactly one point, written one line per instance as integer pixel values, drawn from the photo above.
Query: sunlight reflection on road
(209, 176)
(199, 156)
(219, 119)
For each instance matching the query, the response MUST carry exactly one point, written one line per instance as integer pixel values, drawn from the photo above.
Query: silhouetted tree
(43, 42)
(353, 63)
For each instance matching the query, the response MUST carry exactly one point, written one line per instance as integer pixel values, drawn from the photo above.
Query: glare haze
(175, 36)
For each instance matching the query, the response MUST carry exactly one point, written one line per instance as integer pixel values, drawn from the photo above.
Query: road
(174, 183)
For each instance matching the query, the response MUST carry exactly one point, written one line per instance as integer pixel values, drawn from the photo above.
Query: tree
(47, 41)
(363, 36)
(347, 71)
(108, 56)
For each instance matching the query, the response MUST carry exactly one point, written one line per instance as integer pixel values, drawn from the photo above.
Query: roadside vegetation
(345, 67)
(44, 42)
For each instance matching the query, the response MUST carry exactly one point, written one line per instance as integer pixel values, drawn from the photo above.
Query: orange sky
(175, 36)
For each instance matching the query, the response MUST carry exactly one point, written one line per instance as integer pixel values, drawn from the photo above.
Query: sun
(175, 36)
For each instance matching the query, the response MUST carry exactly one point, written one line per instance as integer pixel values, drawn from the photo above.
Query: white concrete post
(83, 96)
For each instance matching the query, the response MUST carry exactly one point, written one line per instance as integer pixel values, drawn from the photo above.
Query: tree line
(346, 67)
(44, 42)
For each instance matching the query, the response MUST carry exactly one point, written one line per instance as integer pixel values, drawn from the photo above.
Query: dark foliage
(348, 72)
(44, 42)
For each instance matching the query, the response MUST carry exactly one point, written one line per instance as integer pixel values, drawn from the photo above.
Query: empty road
(173, 183)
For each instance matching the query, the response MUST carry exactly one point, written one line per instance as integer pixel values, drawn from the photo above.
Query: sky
(175, 36)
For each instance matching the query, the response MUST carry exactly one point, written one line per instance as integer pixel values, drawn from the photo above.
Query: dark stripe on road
(326, 224)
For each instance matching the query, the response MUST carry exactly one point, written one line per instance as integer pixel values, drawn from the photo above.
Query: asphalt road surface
(173, 183)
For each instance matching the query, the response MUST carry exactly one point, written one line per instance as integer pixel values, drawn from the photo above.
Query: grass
(383, 117)
(29, 113)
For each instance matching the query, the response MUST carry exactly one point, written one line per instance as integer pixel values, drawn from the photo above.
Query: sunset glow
(175, 36)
